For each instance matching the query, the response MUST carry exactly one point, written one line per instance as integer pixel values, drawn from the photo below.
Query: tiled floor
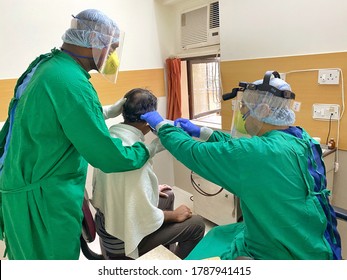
(181, 197)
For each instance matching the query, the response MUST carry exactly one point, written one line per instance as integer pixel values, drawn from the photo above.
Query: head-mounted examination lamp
(265, 86)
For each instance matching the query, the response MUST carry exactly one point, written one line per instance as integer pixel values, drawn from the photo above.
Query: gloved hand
(155, 147)
(114, 110)
(152, 118)
(188, 126)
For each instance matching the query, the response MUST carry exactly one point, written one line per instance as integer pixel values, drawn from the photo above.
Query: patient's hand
(180, 214)
(162, 189)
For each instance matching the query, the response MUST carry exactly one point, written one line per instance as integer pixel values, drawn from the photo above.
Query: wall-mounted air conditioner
(200, 27)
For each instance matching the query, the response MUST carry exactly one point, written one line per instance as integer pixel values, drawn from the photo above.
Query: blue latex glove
(152, 118)
(188, 126)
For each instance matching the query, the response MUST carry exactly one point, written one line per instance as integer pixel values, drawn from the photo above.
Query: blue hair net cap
(91, 29)
(269, 108)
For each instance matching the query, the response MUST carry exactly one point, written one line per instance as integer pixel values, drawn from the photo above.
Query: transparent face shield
(243, 124)
(107, 59)
(252, 124)
(238, 128)
(263, 101)
(268, 108)
(106, 42)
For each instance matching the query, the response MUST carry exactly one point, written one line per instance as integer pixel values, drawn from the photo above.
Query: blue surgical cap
(91, 29)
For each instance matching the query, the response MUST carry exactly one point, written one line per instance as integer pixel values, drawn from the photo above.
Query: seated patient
(135, 214)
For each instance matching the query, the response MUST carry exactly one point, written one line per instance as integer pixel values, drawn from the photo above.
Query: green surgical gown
(58, 128)
(283, 218)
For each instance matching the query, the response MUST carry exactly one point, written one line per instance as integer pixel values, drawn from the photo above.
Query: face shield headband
(243, 111)
(265, 87)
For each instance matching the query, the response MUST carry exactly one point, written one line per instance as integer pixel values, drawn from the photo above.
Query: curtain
(173, 73)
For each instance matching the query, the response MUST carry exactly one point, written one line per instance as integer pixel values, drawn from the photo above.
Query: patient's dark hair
(139, 101)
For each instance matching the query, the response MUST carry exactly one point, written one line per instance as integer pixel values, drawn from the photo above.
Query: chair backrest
(88, 231)
(88, 225)
(340, 213)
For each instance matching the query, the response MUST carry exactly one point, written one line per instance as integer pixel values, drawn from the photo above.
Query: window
(204, 88)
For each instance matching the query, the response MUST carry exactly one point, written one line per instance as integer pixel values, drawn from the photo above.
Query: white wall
(272, 28)
(29, 28)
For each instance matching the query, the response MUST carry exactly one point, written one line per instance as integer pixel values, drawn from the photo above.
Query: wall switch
(328, 77)
(326, 111)
(296, 106)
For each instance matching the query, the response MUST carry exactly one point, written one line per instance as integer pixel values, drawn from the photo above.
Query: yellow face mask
(240, 123)
(111, 64)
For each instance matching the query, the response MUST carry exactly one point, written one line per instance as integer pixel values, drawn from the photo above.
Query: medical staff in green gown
(277, 173)
(55, 127)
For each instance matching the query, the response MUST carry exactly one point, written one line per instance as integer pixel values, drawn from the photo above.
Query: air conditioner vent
(200, 27)
(214, 15)
(194, 26)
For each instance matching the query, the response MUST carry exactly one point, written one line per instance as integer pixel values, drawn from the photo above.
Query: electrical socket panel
(328, 76)
(326, 111)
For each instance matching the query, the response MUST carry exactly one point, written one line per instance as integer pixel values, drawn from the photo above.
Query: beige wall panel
(152, 79)
(6, 93)
(304, 84)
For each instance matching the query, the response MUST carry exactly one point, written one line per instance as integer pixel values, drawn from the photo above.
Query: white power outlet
(328, 77)
(296, 106)
(326, 111)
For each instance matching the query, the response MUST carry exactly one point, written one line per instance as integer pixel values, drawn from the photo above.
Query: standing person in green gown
(277, 173)
(55, 127)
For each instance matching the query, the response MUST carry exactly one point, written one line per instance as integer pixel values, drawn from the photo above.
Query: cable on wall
(199, 189)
